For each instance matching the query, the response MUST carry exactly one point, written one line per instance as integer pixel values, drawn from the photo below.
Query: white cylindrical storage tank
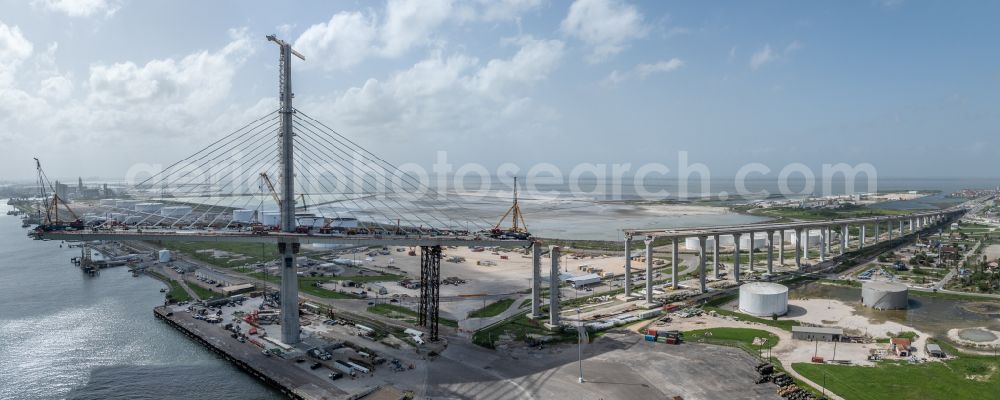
(759, 241)
(127, 204)
(148, 208)
(344, 222)
(107, 202)
(309, 220)
(164, 256)
(764, 299)
(175, 211)
(726, 240)
(271, 218)
(692, 243)
(246, 216)
(814, 238)
(884, 295)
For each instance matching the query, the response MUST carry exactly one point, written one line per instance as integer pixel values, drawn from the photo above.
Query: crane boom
(518, 226)
(270, 187)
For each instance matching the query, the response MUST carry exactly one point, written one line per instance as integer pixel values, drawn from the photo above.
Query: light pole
(579, 340)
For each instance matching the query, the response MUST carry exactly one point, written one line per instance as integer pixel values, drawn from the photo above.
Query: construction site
(322, 293)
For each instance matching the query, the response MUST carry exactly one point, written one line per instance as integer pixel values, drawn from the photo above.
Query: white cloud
(351, 37)
(795, 45)
(79, 8)
(645, 70)
(340, 43)
(448, 96)
(504, 10)
(533, 62)
(642, 71)
(13, 45)
(605, 25)
(761, 57)
(189, 84)
(766, 55)
(58, 88)
(411, 22)
(615, 78)
(14, 49)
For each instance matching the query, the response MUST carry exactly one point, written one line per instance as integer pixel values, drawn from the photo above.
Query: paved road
(616, 366)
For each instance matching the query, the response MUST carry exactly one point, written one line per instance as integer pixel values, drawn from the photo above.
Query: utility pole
(287, 248)
(579, 340)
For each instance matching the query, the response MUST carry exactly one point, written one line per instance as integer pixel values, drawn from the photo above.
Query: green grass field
(968, 377)
(177, 293)
(517, 326)
(254, 252)
(493, 309)
(395, 311)
(824, 214)
(203, 293)
(308, 285)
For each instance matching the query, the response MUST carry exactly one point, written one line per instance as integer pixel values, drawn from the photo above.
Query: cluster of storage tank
(135, 211)
(759, 240)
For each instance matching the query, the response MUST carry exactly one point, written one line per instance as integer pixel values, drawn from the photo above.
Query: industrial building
(764, 299)
(584, 280)
(817, 333)
(934, 350)
(900, 346)
(175, 211)
(164, 256)
(245, 216)
(236, 289)
(884, 295)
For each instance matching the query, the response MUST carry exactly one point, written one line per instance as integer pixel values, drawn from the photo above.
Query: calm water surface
(67, 335)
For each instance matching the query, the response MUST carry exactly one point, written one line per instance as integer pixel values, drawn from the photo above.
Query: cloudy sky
(913, 87)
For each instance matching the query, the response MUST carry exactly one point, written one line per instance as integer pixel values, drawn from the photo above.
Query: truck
(344, 367)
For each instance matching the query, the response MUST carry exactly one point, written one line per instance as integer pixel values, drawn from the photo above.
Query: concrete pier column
(701, 262)
(877, 226)
(290, 328)
(781, 247)
(770, 252)
(822, 244)
(536, 279)
(805, 244)
(751, 251)
(736, 257)
(888, 229)
(628, 266)
(554, 252)
(845, 238)
(715, 256)
(649, 269)
(861, 238)
(829, 240)
(901, 231)
(798, 248)
(675, 265)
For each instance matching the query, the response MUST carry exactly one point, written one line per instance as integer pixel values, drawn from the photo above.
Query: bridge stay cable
(414, 214)
(347, 142)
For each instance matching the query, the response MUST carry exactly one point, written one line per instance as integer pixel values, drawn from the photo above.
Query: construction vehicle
(277, 199)
(52, 221)
(518, 229)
